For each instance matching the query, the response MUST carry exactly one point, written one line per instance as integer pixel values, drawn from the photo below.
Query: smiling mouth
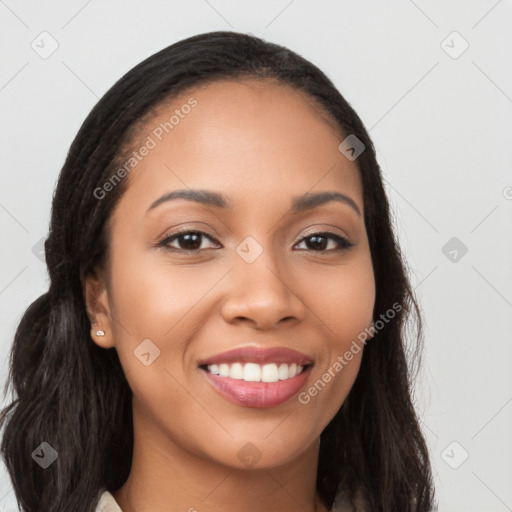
(253, 376)
(255, 385)
(254, 372)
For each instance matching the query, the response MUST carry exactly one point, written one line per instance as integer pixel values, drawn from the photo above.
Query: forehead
(245, 138)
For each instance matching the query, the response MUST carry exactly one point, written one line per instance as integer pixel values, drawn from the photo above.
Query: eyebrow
(299, 203)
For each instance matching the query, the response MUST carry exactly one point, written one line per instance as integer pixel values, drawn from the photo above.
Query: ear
(98, 309)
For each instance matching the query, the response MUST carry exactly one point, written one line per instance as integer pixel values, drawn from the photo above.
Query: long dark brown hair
(73, 394)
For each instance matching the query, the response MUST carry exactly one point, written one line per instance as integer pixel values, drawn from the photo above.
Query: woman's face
(259, 279)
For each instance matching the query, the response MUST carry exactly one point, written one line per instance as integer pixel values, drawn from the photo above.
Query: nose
(262, 295)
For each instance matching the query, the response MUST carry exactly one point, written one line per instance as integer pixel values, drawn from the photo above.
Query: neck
(164, 476)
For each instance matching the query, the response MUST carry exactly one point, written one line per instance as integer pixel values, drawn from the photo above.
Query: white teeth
(269, 373)
(252, 372)
(224, 370)
(283, 372)
(236, 371)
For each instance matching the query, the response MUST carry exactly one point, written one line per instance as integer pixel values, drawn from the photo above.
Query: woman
(224, 326)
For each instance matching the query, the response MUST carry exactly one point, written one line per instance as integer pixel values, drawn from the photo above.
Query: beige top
(107, 503)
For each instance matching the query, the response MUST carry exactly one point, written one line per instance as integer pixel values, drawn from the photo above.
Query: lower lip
(258, 394)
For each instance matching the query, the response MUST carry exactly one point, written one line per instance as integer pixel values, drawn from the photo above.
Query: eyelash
(343, 243)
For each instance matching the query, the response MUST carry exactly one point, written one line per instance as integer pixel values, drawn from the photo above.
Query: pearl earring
(100, 333)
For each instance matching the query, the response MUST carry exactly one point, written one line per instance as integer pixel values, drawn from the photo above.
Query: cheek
(344, 305)
(343, 300)
(154, 298)
(162, 404)
(330, 383)
(157, 308)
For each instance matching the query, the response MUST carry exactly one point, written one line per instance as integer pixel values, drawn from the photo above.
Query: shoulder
(107, 503)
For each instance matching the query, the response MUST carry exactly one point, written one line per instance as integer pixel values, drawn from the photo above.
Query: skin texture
(259, 144)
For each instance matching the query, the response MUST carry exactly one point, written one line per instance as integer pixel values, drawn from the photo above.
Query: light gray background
(442, 128)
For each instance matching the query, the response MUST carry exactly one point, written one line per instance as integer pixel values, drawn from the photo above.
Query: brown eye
(187, 241)
(318, 242)
(192, 241)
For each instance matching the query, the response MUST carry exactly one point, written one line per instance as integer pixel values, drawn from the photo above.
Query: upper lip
(259, 356)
